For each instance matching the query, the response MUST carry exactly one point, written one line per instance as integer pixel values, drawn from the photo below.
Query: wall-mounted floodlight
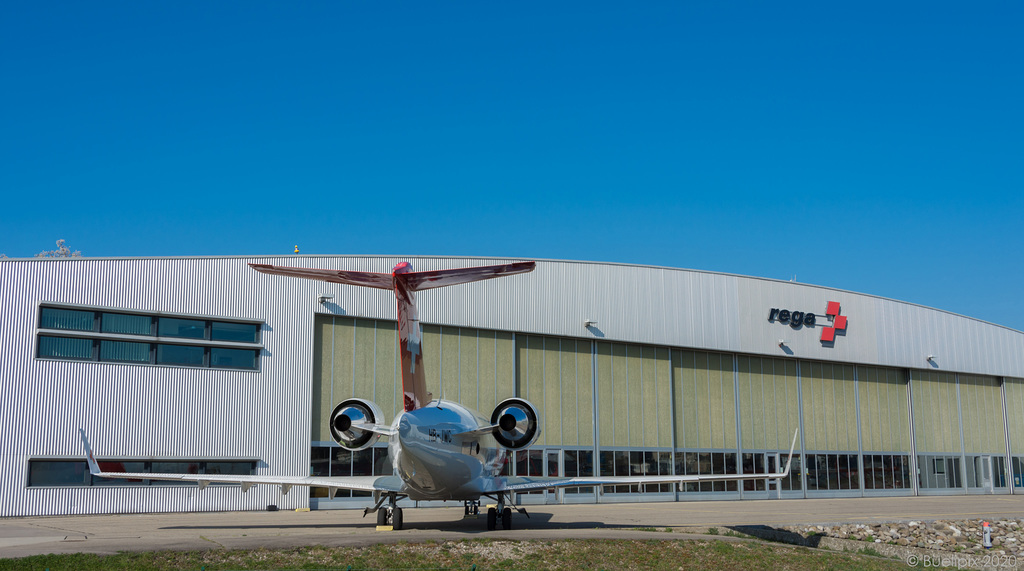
(325, 298)
(931, 358)
(589, 322)
(782, 342)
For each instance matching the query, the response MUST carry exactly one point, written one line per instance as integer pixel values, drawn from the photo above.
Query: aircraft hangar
(203, 365)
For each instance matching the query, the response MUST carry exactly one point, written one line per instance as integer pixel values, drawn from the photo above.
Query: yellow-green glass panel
(936, 418)
(1014, 389)
(768, 402)
(981, 407)
(884, 412)
(387, 373)
(505, 356)
(432, 360)
(663, 397)
(585, 392)
(605, 395)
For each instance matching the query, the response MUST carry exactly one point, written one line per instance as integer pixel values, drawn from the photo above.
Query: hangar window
(59, 473)
(939, 472)
(579, 463)
(702, 463)
(1017, 463)
(70, 319)
(65, 348)
(129, 324)
(83, 334)
(832, 472)
(886, 471)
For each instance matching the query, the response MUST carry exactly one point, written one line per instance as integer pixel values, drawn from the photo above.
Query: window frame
(153, 339)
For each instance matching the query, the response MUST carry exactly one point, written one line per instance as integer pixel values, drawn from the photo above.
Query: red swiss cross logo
(828, 334)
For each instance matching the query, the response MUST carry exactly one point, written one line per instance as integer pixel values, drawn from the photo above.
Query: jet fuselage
(439, 457)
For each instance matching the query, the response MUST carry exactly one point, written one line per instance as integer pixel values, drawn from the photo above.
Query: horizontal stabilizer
(440, 278)
(366, 279)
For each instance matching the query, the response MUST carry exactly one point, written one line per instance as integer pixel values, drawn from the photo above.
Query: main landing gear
(502, 511)
(390, 515)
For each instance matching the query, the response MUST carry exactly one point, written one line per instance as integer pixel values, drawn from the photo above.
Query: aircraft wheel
(506, 518)
(396, 519)
(382, 516)
(492, 519)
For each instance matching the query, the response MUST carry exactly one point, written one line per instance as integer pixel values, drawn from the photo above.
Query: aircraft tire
(396, 519)
(506, 518)
(382, 516)
(492, 519)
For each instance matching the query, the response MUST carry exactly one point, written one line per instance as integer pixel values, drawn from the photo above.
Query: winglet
(792, 447)
(94, 467)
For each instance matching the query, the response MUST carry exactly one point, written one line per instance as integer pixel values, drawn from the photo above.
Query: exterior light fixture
(325, 298)
(782, 342)
(931, 358)
(589, 322)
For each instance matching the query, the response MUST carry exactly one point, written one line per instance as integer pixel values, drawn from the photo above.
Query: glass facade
(619, 409)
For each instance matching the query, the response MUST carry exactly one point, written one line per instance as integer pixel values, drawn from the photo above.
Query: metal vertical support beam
(914, 469)
(739, 424)
(477, 383)
(860, 442)
(517, 382)
(1008, 467)
(800, 411)
(643, 408)
(576, 399)
(675, 421)
(963, 453)
(626, 418)
(597, 425)
(354, 344)
(440, 359)
(458, 369)
(375, 325)
(334, 326)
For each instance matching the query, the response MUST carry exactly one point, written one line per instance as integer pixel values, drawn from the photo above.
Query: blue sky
(875, 147)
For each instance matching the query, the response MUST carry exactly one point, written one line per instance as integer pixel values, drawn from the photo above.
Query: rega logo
(795, 319)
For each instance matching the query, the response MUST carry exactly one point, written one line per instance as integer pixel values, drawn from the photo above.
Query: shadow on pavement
(422, 521)
(769, 533)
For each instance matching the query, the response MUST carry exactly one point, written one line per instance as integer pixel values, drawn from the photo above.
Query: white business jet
(440, 450)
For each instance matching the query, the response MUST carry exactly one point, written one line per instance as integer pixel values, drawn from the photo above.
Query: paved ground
(20, 537)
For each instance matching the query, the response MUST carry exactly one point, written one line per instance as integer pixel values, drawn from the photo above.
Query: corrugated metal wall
(138, 411)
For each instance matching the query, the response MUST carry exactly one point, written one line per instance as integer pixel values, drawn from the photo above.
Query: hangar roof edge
(495, 258)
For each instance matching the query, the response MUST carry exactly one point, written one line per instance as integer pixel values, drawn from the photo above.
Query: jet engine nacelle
(518, 424)
(347, 418)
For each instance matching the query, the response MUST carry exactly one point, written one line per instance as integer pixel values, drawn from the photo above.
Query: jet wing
(528, 484)
(361, 483)
(521, 484)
